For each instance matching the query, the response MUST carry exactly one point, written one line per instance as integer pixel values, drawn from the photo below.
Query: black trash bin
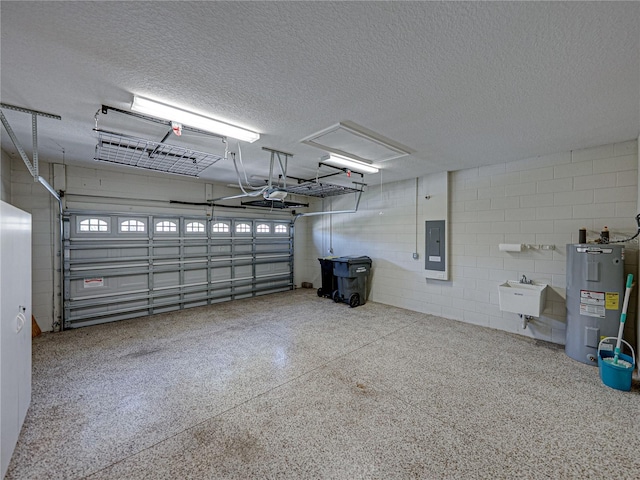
(352, 273)
(329, 282)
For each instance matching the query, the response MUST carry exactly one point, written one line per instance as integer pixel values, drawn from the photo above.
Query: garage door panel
(200, 303)
(264, 268)
(195, 276)
(92, 286)
(195, 250)
(280, 267)
(106, 310)
(131, 252)
(115, 268)
(166, 309)
(166, 251)
(242, 271)
(221, 273)
(166, 279)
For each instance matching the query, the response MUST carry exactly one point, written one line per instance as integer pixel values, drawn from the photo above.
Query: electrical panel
(435, 249)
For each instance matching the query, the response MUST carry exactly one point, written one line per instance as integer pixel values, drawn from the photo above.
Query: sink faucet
(524, 280)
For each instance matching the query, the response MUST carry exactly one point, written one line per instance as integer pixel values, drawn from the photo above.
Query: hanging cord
(331, 226)
(249, 194)
(630, 238)
(381, 199)
(244, 170)
(416, 250)
(247, 184)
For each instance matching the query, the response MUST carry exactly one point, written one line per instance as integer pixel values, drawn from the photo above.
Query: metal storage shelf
(318, 189)
(136, 152)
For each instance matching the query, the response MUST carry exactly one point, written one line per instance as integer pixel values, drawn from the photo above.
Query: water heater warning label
(612, 301)
(592, 304)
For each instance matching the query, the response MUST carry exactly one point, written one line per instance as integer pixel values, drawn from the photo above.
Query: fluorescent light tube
(340, 161)
(161, 110)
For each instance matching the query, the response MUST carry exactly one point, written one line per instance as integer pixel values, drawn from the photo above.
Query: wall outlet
(416, 256)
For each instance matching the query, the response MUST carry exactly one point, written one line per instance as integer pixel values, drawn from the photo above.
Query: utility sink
(523, 298)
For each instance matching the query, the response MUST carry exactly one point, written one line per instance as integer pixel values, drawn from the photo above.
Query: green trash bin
(351, 273)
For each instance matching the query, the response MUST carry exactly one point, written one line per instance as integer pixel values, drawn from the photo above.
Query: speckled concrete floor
(294, 386)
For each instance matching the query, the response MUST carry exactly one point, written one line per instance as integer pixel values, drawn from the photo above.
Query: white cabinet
(15, 327)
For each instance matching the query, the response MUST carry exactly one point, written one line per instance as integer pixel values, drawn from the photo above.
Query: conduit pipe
(55, 194)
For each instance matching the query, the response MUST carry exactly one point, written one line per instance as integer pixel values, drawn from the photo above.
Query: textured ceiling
(460, 84)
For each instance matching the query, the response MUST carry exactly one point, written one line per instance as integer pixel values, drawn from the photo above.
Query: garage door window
(263, 228)
(166, 226)
(93, 225)
(195, 227)
(132, 226)
(281, 228)
(220, 227)
(243, 228)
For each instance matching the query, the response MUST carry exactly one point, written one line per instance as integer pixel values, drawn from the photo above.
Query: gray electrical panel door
(119, 266)
(595, 291)
(435, 245)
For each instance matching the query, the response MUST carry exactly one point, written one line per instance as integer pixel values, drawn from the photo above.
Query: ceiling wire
(61, 149)
(244, 170)
(416, 250)
(248, 194)
(381, 199)
(331, 227)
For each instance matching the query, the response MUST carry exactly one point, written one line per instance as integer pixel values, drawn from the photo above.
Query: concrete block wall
(32, 197)
(386, 229)
(537, 201)
(305, 263)
(125, 189)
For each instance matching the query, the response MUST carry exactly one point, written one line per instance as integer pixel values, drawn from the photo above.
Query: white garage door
(119, 266)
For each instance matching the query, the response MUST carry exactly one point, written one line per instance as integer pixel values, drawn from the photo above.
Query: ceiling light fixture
(356, 165)
(161, 110)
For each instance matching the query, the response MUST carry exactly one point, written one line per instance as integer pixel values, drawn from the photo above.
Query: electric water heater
(595, 292)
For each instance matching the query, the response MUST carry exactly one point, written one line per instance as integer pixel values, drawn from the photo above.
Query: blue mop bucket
(613, 375)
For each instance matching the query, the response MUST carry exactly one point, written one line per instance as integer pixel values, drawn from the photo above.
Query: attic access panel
(136, 152)
(355, 141)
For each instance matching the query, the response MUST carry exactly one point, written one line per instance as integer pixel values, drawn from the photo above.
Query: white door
(15, 327)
